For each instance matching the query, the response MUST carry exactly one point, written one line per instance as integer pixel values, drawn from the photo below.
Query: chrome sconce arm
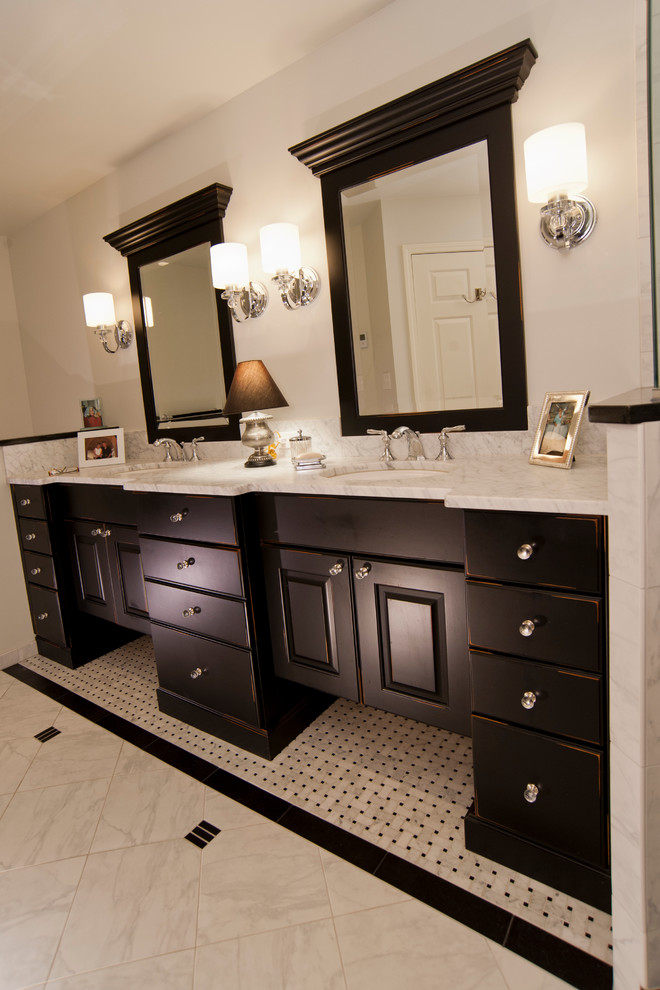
(298, 285)
(246, 303)
(229, 271)
(299, 288)
(566, 222)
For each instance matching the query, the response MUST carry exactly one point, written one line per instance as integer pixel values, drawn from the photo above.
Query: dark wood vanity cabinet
(537, 631)
(361, 619)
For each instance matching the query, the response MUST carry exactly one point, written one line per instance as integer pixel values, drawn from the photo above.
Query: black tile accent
(47, 734)
(558, 957)
(212, 829)
(202, 834)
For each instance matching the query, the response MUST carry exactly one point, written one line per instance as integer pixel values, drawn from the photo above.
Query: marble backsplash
(36, 458)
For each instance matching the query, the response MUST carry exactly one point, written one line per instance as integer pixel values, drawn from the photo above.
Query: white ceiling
(86, 84)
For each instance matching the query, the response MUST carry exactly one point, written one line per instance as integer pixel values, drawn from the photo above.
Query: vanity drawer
(46, 614)
(209, 568)
(568, 811)
(34, 535)
(197, 612)
(207, 518)
(39, 569)
(566, 630)
(30, 501)
(559, 551)
(415, 530)
(210, 674)
(563, 702)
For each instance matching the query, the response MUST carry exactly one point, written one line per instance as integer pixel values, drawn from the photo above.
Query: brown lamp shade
(252, 388)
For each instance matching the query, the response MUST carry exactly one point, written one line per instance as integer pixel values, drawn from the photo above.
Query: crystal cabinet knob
(42, 616)
(527, 627)
(528, 700)
(193, 610)
(525, 551)
(531, 793)
(362, 572)
(34, 571)
(185, 563)
(178, 517)
(336, 568)
(25, 501)
(105, 533)
(197, 672)
(30, 536)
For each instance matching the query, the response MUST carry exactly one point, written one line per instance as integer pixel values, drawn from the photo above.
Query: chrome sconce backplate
(565, 223)
(121, 333)
(248, 303)
(299, 288)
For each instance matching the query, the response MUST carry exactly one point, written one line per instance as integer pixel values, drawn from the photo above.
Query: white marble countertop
(482, 483)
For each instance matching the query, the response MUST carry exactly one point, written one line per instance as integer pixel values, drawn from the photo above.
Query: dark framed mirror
(183, 328)
(422, 239)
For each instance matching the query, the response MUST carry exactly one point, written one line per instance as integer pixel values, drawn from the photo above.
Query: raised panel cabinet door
(91, 569)
(413, 641)
(130, 595)
(311, 620)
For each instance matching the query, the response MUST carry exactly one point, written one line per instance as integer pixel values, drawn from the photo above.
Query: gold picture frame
(558, 428)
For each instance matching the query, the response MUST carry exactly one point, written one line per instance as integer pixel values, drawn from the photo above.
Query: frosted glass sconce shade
(229, 272)
(280, 248)
(148, 311)
(556, 162)
(100, 313)
(99, 309)
(556, 171)
(280, 257)
(229, 265)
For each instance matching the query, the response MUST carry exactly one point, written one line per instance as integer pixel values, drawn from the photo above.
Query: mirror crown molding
(492, 82)
(202, 207)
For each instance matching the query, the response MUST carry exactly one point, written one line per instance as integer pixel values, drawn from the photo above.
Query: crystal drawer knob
(104, 533)
(178, 517)
(197, 672)
(336, 568)
(362, 572)
(25, 501)
(528, 700)
(525, 551)
(42, 616)
(185, 563)
(527, 627)
(531, 793)
(34, 571)
(193, 610)
(30, 536)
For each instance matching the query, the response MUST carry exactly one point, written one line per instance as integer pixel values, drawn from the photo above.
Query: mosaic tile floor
(401, 785)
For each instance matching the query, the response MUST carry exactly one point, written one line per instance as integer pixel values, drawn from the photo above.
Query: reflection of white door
(454, 342)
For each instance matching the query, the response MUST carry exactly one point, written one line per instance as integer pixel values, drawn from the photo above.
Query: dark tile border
(550, 953)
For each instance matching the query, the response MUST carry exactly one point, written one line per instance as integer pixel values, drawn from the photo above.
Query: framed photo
(91, 413)
(96, 447)
(558, 428)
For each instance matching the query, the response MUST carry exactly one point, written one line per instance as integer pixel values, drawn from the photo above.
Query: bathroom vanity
(266, 597)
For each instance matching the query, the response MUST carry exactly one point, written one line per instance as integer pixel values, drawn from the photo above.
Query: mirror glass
(653, 49)
(179, 306)
(421, 278)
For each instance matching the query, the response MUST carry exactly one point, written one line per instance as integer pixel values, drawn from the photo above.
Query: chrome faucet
(387, 453)
(169, 446)
(194, 456)
(415, 448)
(444, 454)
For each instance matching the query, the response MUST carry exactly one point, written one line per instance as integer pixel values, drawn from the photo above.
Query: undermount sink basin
(395, 476)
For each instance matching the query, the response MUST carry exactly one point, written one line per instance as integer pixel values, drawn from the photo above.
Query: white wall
(15, 412)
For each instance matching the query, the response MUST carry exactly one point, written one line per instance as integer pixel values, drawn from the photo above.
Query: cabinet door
(413, 641)
(91, 569)
(311, 620)
(129, 590)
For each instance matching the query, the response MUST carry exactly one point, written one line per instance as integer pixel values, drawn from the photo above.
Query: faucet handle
(193, 448)
(387, 453)
(444, 454)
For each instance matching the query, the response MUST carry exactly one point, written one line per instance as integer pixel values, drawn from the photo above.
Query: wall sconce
(280, 257)
(253, 388)
(100, 314)
(229, 271)
(556, 169)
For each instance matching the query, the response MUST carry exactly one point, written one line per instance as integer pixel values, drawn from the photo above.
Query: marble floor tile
(411, 945)
(34, 904)
(16, 755)
(225, 813)
(24, 712)
(73, 756)
(135, 760)
(523, 975)
(50, 823)
(257, 879)
(352, 889)
(171, 972)
(149, 807)
(130, 904)
(303, 957)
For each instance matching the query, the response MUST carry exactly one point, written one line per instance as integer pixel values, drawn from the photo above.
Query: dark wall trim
(47, 436)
